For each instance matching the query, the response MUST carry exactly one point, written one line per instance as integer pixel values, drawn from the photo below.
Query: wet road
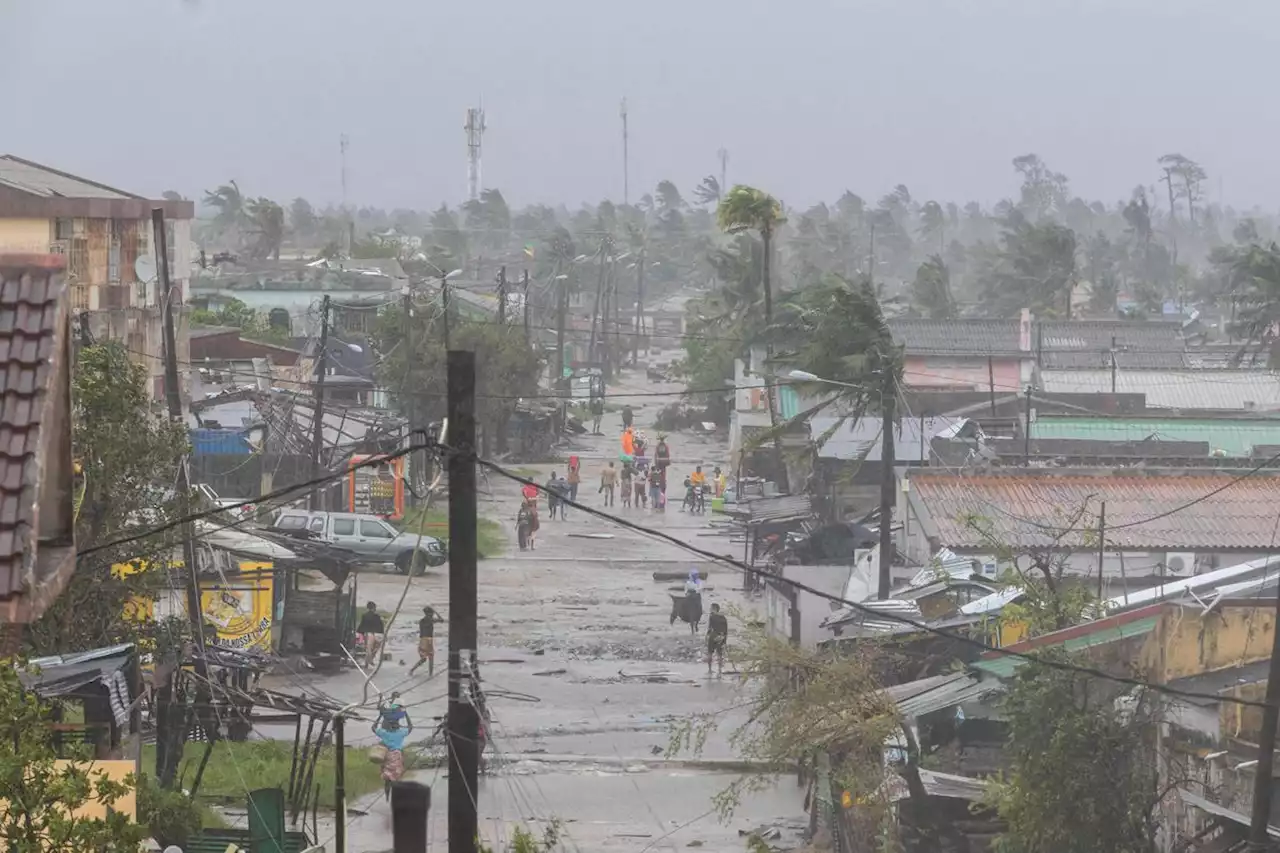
(580, 624)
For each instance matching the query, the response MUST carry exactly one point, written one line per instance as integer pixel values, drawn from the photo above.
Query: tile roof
(1087, 343)
(1233, 437)
(956, 337)
(1226, 390)
(1031, 508)
(32, 313)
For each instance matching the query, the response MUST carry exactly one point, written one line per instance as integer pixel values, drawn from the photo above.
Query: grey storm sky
(809, 97)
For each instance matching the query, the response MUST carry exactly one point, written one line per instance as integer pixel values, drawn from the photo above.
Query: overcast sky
(809, 97)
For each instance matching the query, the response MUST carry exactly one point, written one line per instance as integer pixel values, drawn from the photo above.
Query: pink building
(967, 354)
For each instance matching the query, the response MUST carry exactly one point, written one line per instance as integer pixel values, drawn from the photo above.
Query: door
(376, 538)
(344, 534)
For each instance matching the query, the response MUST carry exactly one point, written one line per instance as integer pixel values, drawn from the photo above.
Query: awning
(1221, 811)
(61, 675)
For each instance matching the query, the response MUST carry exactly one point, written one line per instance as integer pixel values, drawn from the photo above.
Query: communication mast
(626, 171)
(475, 133)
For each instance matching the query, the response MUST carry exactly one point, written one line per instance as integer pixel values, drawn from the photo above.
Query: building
(37, 477)
(1237, 390)
(1159, 525)
(106, 236)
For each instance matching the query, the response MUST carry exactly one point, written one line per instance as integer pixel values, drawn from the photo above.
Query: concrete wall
(25, 235)
(813, 608)
(1188, 642)
(964, 372)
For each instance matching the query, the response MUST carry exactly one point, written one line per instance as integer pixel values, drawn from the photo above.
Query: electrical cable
(878, 614)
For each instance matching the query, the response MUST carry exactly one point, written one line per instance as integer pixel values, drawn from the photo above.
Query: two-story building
(106, 236)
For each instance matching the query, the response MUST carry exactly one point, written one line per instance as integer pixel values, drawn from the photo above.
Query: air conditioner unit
(1180, 563)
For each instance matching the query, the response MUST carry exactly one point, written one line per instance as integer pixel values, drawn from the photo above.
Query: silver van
(375, 540)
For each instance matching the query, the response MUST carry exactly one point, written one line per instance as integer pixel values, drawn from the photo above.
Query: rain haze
(808, 99)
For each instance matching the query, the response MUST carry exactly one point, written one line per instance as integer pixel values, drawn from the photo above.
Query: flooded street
(578, 631)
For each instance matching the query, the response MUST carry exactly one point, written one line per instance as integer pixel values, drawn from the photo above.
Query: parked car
(369, 536)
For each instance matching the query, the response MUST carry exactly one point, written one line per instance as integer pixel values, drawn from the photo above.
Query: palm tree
(709, 191)
(267, 223)
(749, 209)
(230, 204)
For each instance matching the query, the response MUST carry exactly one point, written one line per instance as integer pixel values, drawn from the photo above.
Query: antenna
(626, 176)
(723, 154)
(475, 128)
(343, 142)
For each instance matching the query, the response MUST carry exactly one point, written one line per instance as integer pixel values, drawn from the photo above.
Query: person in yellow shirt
(697, 481)
(697, 478)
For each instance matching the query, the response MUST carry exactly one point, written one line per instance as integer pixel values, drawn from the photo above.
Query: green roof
(1006, 665)
(1235, 437)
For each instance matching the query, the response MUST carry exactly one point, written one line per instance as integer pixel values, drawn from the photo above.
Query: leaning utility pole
(635, 340)
(167, 743)
(463, 717)
(318, 493)
(888, 480)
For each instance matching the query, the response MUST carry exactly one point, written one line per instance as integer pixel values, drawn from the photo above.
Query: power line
(879, 614)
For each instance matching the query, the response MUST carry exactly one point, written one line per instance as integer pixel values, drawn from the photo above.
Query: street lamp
(445, 278)
(806, 376)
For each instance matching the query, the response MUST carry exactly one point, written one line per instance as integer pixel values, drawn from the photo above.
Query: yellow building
(103, 232)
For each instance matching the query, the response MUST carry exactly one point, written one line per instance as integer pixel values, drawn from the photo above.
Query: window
(374, 530)
(292, 522)
(344, 527)
(63, 229)
(317, 525)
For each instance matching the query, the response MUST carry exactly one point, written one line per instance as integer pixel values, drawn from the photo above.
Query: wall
(1188, 642)
(303, 305)
(964, 372)
(813, 608)
(26, 235)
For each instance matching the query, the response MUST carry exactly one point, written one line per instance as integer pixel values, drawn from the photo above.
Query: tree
(266, 223)
(42, 796)
(1035, 269)
(749, 209)
(128, 453)
(1254, 287)
(1102, 267)
(1044, 191)
(445, 244)
(302, 217)
(172, 195)
(709, 191)
(229, 203)
(1190, 175)
(1083, 774)
(933, 223)
(931, 290)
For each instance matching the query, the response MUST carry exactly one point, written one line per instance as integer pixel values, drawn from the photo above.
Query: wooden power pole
(463, 717)
(888, 480)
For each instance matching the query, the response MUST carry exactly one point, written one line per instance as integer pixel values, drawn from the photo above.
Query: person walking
(373, 630)
(597, 412)
(717, 637)
(575, 480)
(392, 728)
(657, 487)
(553, 496)
(640, 482)
(608, 482)
(427, 641)
(628, 417)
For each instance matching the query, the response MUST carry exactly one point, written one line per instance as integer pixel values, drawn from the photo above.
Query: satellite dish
(145, 268)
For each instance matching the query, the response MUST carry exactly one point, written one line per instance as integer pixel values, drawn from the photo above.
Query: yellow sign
(846, 800)
(240, 610)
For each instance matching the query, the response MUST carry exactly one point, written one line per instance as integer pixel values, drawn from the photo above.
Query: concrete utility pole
(475, 128)
(411, 408)
(626, 170)
(1261, 817)
(349, 227)
(635, 340)
(502, 296)
(319, 493)
(166, 742)
(888, 480)
(524, 281)
(724, 171)
(463, 717)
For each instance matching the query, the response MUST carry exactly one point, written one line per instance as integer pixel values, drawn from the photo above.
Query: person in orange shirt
(628, 442)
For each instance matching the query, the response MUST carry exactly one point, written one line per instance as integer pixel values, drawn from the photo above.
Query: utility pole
(339, 787)
(595, 313)
(1102, 545)
(626, 170)
(635, 340)
(991, 383)
(724, 171)
(475, 129)
(888, 481)
(318, 492)
(1261, 817)
(173, 396)
(502, 295)
(463, 719)
(1113, 364)
(410, 393)
(525, 283)
(343, 143)
(444, 305)
(1026, 437)
(562, 308)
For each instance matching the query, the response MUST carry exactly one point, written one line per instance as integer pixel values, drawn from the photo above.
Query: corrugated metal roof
(1087, 343)
(1204, 586)
(1095, 634)
(1030, 509)
(1222, 811)
(861, 438)
(956, 337)
(780, 508)
(1230, 436)
(1230, 390)
(40, 180)
(940, 692)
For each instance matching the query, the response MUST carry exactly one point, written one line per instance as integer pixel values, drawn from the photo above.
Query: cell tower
(475, 133)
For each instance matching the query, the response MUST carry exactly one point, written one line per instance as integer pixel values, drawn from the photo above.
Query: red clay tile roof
(1030, 509)
(31, 309)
